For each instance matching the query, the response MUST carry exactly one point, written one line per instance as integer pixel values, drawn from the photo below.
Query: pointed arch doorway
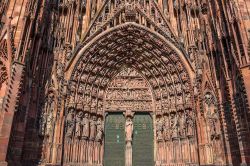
(128, 91)
(168, 82)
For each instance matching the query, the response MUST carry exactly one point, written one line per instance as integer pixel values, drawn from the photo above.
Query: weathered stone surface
(66, 65)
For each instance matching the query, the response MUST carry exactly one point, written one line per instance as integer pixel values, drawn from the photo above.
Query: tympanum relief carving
(128, 90)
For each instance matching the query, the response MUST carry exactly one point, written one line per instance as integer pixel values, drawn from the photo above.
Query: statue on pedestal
(85, 126)
(85, 136)
(78, 124)
(42, 123)
(92, 136)
(70, 123)
(159, 138)
(166, 129)
(99, 138)
(182, 122)
(217, 122)
(128, 133)
(99, 128)
(190, 123)
(129, 129)
(174, 125)
(93, 128)
(159, 129)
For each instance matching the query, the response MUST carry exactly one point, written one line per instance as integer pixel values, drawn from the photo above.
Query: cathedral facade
(124, 82)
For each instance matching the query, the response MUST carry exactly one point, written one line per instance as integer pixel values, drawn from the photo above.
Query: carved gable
(145, 13)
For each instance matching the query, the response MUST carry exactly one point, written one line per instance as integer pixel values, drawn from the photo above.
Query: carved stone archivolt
(133, 47)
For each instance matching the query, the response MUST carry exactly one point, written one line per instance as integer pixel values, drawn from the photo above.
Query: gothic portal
(124, 83)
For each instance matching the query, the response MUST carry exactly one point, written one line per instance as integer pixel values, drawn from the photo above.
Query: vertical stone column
(128, 134)
(128, 153)
(99, 142)
(159, 139)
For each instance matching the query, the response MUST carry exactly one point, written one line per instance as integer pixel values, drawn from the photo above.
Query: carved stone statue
(187, 98)
(159, 138)
(174, 125)
(166, 129)
(190, 123)
(99, 137)
(172, 100)
(91, 144)
(60, 70)
(50, 123)
(182, 122)
(50, 117)
(178, 88)
(159, 129)
(70, 123)
(209, 99)
(93, 128)
(129, 129)
(129, 133)
(78, 124)
(85, 126)
(68, 53)
(99, 127)
(192, 56)
(217, 122)
(212, 120)
(179, 99)
(42, 123)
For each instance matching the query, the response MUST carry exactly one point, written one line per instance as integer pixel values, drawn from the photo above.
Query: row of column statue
(83, 138)
(175, 136)
(175, 125)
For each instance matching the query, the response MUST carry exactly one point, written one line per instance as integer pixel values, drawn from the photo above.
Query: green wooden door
(114, 147)
(143, 154)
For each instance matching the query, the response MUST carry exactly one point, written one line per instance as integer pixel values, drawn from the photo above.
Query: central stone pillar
(129, 134)
(128, 154)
